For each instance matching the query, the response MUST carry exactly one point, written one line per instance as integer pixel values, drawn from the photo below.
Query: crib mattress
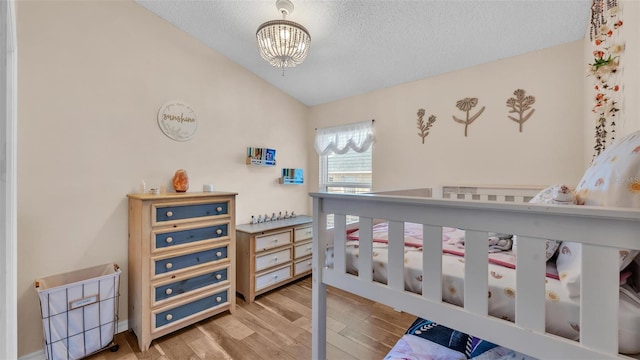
(562, 311)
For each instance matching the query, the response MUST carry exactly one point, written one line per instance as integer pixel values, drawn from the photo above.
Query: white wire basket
(79, 311)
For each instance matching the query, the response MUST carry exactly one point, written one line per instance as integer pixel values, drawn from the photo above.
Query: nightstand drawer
(167, 265)
(273, 277)
(273, 240)
(167, 213)
(303, 233)
(272, 259)
(302, 250)
(302, 267)
(174, 315)
(168, 239)
(183, 286)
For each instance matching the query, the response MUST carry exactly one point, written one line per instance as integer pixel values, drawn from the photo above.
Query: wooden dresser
(181, 260)
(271, 254)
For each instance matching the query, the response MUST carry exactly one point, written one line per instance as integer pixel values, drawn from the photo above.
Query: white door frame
(8, 182)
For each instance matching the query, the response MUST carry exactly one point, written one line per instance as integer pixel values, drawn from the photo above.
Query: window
(345, 160)
(346, 173)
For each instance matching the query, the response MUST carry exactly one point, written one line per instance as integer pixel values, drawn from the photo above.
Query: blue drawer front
(189, 236)
(191, 211)
(184, 261)
(181, 287)
(185, 310)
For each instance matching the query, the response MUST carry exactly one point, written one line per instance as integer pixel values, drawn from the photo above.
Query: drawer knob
(219, 209)
(309, 248)
(218, 299)
(219, 231)
(218, 276)
(219, 254)
(275, 259)
(169, 240)
(275, 277)
(169, 265)
(275, 240)
(169, 317)
(169, 213)
(168, 291)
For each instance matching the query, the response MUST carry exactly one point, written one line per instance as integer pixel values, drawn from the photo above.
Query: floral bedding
(562, 311)
(452, 243)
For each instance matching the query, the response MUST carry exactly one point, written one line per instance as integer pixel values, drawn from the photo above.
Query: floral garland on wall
(606, 69)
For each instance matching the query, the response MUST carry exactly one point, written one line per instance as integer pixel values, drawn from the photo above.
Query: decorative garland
(608, 47)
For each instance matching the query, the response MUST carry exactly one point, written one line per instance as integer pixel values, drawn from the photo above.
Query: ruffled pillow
(557, 195)
(613, 180)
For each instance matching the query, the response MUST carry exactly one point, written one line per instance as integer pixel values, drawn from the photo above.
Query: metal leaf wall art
(519, 105)
(466, 105)
(422, 126)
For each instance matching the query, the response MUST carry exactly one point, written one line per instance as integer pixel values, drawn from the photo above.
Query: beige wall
(92, 76)
(549, 150)
(631, 74)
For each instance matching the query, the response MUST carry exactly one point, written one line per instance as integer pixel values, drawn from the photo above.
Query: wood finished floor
(277, 326)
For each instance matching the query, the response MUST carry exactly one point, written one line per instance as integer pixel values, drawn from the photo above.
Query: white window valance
(339, 139)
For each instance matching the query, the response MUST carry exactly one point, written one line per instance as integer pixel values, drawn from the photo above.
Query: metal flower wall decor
(422, 126)
(519, 105)
(466, 105)
(608, 46)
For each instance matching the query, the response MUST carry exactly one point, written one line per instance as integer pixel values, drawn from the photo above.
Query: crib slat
(318, 287)
(365, 249)
(476, 260)
(339, 242)
(530, 284)
(432, 262)
(599, 298)
(396, 255)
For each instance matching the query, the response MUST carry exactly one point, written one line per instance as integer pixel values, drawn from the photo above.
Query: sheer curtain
(339, 139)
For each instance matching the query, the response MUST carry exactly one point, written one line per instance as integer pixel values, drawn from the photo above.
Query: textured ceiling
(361, 46)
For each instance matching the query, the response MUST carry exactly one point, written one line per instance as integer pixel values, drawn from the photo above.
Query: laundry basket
(79, 311)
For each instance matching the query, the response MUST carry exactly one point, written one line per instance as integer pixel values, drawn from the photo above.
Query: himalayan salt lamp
(181, 181)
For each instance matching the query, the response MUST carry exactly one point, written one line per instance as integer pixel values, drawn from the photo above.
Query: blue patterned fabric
(469, 345)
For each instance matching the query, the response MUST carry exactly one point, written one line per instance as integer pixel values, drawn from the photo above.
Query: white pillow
(613, 180)
(554, 194)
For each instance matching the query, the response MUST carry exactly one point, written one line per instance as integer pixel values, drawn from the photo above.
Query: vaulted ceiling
(358, 46)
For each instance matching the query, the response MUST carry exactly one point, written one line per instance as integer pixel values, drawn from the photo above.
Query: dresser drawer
(174, 238)
(174, 315)
(302, 267)
(163, 213)
(303, 233)
(273, 277)
(270, 241)
(272, 259)
(302, 250)
(179, 287)
(175, 263)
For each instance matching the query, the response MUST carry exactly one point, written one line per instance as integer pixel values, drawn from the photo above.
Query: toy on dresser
(266, 218)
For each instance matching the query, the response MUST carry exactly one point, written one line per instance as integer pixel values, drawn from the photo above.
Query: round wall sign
(177, 120)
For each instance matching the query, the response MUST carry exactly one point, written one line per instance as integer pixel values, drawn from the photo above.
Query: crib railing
(601, 231)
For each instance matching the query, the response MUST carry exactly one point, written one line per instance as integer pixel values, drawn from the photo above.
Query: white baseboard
(39, 355)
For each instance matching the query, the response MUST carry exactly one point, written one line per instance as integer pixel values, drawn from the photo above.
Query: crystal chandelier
(283, 43)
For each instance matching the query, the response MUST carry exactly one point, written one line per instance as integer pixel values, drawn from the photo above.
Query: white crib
(602, 232)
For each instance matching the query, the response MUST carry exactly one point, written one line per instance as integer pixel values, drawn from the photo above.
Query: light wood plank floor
(278, 326)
